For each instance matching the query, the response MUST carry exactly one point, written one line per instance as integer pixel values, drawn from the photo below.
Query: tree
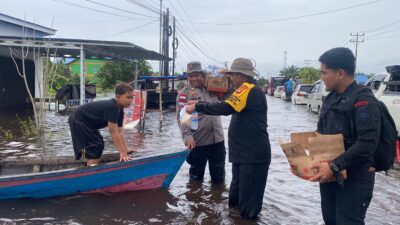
(58, 73)
(113, 72)
(261, 81)
(290, 72)
(309, 75)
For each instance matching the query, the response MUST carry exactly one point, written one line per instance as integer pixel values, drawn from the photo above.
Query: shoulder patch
(238, 98)
(361, 103)
(362, 113)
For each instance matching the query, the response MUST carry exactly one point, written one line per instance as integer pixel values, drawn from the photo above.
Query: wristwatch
(334, 167)
(337, 174)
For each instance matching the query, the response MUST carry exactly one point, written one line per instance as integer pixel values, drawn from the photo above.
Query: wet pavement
(287, 199)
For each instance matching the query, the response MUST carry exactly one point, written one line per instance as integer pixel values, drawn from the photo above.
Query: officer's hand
(190, 143)
(324, 174)
(190, 108)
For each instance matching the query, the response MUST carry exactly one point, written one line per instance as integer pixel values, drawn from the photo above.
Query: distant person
(86, 121)
(289, 87)
(207, 141)
(346, 202)
(249, 146)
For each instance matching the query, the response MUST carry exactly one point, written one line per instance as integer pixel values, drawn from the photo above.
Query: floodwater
(287, 199)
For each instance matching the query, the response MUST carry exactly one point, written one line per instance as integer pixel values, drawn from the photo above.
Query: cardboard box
(217, 84)
(307, 148)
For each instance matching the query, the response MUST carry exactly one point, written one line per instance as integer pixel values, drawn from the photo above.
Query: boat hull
(141, 174)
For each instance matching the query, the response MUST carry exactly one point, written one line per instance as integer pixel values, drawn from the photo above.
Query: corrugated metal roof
(70, 48)
(26, 24)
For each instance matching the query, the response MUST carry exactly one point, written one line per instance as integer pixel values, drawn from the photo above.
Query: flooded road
(287, 200)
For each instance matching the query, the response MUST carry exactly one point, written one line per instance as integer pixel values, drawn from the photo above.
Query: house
(38, 44)
(11, 26)
(92, 66)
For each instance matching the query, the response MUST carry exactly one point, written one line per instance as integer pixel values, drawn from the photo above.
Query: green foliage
(27, 127)
(113, 72)
(261, 81)
(309, 75)
(57, 73)
(6, 134)
(290, 72)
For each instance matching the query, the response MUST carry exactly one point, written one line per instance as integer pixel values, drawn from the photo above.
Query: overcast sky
(227, 29)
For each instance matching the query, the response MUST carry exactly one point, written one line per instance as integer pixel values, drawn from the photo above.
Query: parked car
(376, 83)
(298, 96)
(278, 92)
(316, 96)
(391, 94)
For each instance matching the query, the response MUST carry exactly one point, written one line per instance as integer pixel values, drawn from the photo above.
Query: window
(305, 88)
(95, 69)
(393, 85)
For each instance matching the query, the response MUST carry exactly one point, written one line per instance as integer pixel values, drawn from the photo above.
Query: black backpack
(385, 153)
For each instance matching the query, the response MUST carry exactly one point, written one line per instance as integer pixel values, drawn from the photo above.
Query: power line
(122, 10)
(89, 8)
(200, 50)
(144, 6)
(126, 31)
(385, 32)
(105, 21)
(384, 37)
(383, 27)
(293, 17)
(195, 28)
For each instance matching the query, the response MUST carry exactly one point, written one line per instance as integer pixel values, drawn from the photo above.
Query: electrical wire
(129, 30)
(92, 9)
(122, 10)
(293, 17)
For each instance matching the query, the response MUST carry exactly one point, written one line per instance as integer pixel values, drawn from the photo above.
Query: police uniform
(208, 137)
(348, 204)
(249, 147)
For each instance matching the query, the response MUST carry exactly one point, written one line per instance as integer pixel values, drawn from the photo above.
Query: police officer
(207, 141)
(249, 147)
(346, 201)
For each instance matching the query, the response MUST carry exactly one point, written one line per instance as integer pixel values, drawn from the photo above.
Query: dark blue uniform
(249, 146)
(348, 205)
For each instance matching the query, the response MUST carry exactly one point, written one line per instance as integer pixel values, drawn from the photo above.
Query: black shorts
(87, 142)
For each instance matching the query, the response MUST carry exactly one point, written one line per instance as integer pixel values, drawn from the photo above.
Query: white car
(376, 83)
(278, 92)
(391, 95)
(316, 96)
(298, 96)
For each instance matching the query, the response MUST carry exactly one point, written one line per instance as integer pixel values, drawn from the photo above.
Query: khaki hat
(194, 67)
(244, 66)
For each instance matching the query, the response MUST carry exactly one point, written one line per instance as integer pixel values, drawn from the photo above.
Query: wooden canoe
(63, 176)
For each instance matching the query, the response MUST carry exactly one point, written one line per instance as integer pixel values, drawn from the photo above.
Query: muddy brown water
(287, 199)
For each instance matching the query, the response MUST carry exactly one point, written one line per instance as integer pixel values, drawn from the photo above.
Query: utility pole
(307, 62)
(160, 68)
(357, 38)
(284, 59)
(161, 18)
(174, 48)
(167, 33)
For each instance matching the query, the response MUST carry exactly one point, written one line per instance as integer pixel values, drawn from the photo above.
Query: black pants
(248, 187)
(215, 155)
(86, 141)
(348, 205)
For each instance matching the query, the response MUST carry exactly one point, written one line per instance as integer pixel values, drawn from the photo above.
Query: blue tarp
(361, 78)
(183, 76)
